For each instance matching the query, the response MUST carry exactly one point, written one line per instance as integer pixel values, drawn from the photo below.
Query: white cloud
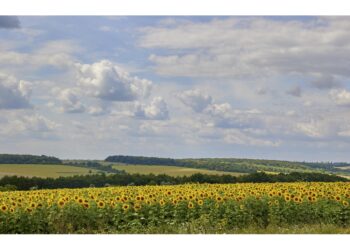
(317, 128)
(58, 53)
(195, 99)
(36, 123)
(340, 97)
(235, 136)
(325, 82)
(220, 115)
(96, 111)
(294, 91)
(253, 47)
(14, 94)
(70, 101)
(17, 124)
(156, 110)
(109, 82)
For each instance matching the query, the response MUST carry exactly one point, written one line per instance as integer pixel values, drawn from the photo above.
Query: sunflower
(3, 208)
(218, 198)
(86, 205)
(61, 203)
(345, 203)
(137, 206)
(125, 207)
(190, 205)
(200, 202)
(100, 204)
(162, 202)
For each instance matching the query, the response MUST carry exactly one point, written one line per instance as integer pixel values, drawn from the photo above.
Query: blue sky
(255, 87)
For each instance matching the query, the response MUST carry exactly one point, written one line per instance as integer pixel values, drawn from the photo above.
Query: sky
(85, 87)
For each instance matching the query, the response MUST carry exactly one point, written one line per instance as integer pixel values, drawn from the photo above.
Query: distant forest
(8, 183)
(233, 164)
(218, 164)
(28, 159)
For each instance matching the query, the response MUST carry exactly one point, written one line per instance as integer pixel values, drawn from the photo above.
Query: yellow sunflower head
(100, 204)
(3, 208)
(125, 207)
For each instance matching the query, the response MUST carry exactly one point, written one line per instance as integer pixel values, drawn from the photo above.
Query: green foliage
(8, 187)
(28, 159)
(101, 180)
(95, 165)
(235, 164)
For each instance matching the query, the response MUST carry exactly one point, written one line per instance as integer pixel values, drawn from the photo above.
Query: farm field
(191, 208)
(42, 170)
(344, 168)
(168, 170)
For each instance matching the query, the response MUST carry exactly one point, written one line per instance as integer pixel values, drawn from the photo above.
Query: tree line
(102, 180)
(233, 164)
(28, 159)
(94, 165)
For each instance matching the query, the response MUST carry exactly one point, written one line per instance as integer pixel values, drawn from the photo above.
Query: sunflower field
(136, 208)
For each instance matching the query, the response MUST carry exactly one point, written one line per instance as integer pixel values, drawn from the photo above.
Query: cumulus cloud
(57, 53)
(325, 82)
(195, 99)
(9, 22)
(340, 97)
(107, 81)
(318, 128)
(27, 124)
(36, 123)
(253, 47)
(220, 115)
(14, 94)
(294, 91)
(70, 101)
(156, 110)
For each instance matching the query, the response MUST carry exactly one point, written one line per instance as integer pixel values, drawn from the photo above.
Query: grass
(344, 168)
(42, 170)
(169, 170)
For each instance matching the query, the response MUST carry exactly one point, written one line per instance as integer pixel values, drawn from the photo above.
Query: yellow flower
(61, 203)
(137, 206)
(162, 202)
(100, 204)
(125, 207)
(3, 208)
